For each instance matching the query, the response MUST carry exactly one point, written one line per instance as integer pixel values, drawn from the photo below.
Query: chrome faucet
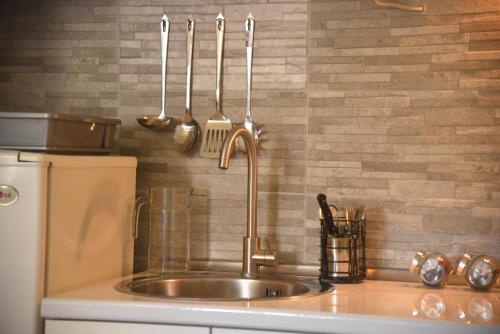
(253, 255)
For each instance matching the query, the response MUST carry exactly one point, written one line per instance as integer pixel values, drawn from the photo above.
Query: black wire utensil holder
(343, 253)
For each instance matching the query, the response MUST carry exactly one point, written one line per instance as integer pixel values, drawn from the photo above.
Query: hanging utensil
(248, 123)
(218, 125)
(187, 133)
(160, 122)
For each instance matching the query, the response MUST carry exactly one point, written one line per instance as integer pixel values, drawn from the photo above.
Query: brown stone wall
(398, 111)
(59, 56)
(403, 117)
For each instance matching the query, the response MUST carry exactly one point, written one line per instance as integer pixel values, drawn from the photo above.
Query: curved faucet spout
(226, 152)
(253, 255)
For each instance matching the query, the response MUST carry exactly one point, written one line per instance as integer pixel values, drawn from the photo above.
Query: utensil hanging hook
(220, 22)
(417, 8)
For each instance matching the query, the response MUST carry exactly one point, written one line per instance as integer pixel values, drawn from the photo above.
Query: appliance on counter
(64, 224)
(58, 132)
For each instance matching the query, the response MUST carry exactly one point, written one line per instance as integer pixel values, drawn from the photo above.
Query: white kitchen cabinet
(104, 327)
(245, 331)
(98, 327)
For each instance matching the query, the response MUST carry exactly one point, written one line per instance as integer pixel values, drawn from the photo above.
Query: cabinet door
(97, 327)
(245, 331)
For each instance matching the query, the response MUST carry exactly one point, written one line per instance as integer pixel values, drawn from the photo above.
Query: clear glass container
(480, 272)
(169, 224)
(433, 269)
(169, 220)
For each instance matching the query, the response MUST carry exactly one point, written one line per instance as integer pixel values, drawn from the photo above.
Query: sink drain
(270, 292)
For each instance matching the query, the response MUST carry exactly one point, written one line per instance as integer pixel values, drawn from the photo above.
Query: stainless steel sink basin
(221, 287)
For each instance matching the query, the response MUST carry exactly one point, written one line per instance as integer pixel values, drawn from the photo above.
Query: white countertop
(369, 307)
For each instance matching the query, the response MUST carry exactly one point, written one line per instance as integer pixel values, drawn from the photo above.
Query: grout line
(304, 190)
(119, 34)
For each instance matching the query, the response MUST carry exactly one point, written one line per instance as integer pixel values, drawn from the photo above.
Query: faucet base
(250, 247)
(254, 256)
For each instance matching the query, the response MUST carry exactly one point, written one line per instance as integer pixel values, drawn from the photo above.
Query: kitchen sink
(221, 287)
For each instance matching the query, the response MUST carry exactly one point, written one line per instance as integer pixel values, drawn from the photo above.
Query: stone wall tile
(334, 6)
(463, 6)
(430, 49)
(457, 224)
(434, 39)
(426, 30)
(491, 26)
(460, 117)
(421, 188)
(397, 59)
(488, 35)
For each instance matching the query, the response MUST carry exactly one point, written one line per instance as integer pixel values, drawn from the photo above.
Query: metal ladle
(160, 122)
(187, 133)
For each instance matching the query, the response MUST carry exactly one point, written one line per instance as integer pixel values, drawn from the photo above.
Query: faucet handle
(268, 248)
(267, 256)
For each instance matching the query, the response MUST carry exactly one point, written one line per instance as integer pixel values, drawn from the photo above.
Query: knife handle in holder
(326, 214)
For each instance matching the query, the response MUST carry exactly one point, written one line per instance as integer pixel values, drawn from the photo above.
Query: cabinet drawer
(245, 331)
(97, 327)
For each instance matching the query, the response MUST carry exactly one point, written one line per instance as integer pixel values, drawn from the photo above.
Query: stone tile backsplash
(399, 111)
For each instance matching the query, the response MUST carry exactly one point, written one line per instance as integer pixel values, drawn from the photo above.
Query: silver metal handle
(265, 257)
(164, 31)
(249, 27)
(219, 25)
(189, 63)
(139, 203)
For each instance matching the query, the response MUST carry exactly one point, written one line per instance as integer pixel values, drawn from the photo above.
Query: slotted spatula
(218, 125)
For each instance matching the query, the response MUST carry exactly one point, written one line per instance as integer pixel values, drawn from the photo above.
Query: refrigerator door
(22, 243)
(69, 227)
(89, 230)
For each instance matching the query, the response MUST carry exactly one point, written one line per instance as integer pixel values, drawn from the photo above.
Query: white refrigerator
(64, 223)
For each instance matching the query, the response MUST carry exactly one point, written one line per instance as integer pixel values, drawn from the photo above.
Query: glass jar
(480, 272)
(433, 269)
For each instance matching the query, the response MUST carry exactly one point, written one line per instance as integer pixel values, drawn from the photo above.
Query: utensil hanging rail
(417, 8)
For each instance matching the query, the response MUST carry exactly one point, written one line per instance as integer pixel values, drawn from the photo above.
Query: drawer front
(97, 327)
(246, 331)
